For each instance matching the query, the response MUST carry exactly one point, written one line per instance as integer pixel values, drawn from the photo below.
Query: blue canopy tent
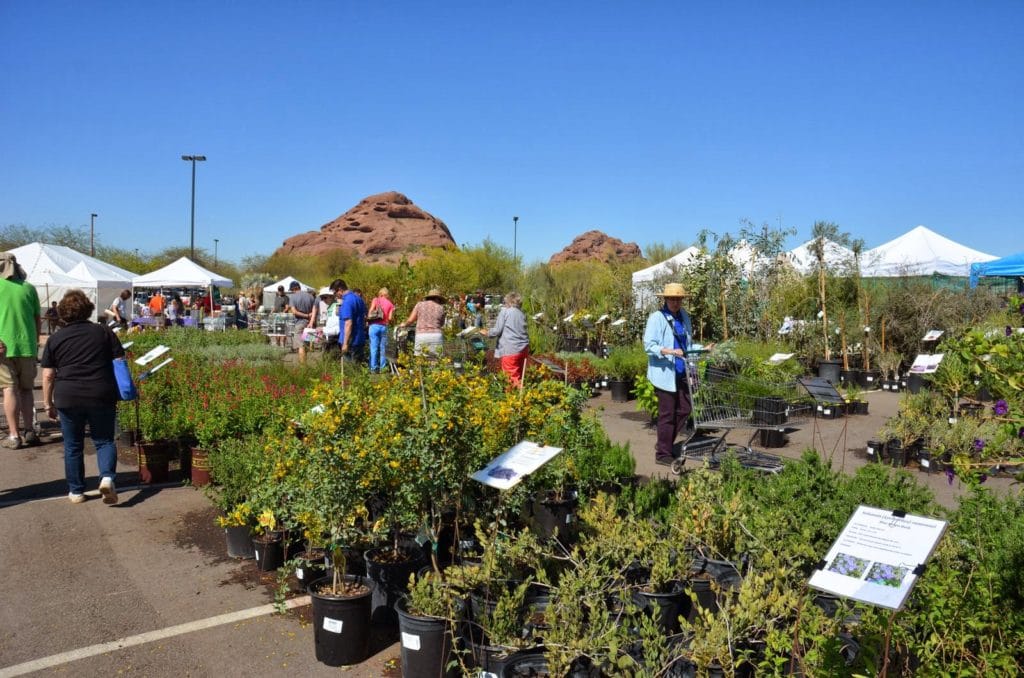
(1007, 267)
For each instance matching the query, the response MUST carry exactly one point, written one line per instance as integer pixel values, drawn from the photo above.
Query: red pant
(513, 365)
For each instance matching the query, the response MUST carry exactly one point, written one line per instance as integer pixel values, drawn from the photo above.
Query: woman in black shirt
(79, 386)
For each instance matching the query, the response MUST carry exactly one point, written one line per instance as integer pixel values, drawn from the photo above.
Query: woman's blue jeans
(101, 420)
(378, 346)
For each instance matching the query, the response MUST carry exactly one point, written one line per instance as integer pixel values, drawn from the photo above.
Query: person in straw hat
(667, 337)
(429, 318)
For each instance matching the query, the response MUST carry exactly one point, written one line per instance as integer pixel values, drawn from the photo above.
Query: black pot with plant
(341, 618)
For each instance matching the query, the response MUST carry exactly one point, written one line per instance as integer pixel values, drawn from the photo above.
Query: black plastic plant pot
(312, 566)
(341, 624)
(847, 377)
(860, 407)
(666, 608)
(391, 578)
(896, 454)
(269, 551)
(551, 517)
(830, 369)
(426, 644)
(769, 411)
(829, 411)
(621, 389)
(875, 450)
(239, 542)
(772, 438)
(526, 664)
(868, 379)
(925, 462)
(915, 382)
(490, 659)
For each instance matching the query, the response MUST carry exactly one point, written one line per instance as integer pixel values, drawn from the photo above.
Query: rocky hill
(381, 228)
(597, 246)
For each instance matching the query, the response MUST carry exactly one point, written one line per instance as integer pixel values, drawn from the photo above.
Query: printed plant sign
(877, 557)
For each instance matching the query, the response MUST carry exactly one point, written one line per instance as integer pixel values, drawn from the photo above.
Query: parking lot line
(143, 638)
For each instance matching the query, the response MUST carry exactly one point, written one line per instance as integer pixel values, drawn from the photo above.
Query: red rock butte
(597, 246)
(381, 228)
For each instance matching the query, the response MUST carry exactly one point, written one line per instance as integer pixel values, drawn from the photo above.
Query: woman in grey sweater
(513, 340)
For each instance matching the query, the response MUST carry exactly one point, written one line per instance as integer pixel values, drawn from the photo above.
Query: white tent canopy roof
(285, 283)
(182, 273)
(921, 251)
(40, 257)
(670, 265)
(804, 261)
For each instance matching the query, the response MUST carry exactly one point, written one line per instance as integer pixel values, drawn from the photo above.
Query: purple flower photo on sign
(887, 575)
(848, 566)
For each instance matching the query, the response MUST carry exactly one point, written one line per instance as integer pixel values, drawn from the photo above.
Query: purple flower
(979, 444)
(1020, 433)
(949, 474)
(983, 478)
(1009, 331)
(1000, 408)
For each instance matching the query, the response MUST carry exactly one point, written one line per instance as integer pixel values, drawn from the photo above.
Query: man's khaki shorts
(18, 372)
(297, 332)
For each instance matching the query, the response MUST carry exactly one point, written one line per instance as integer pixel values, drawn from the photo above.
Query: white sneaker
(76, 498)
(108, 491)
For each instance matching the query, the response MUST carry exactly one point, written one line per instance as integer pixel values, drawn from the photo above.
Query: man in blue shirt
(352, 313)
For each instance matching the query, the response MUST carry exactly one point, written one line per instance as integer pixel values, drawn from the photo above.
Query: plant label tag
(410, 641)
(925, 463)
(299, 573)
(487, 674)
(332, 625)
(257, 554)
(568, 519)
(871, 451)
(870, 378)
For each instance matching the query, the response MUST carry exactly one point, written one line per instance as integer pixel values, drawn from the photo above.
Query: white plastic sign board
(878, 556)
(933, 335)
(148, 373)
(778, 358)
(152, 355)
(333, 625)
(510, 467)
(925, 363)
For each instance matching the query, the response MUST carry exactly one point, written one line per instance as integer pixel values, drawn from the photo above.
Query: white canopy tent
(270, 290)
(804, 261)
(921, 251)
(646, 279)
(55, 269)
(182, 273)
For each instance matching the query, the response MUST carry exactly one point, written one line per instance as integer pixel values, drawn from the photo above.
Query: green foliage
(646, 396)
(625, 362)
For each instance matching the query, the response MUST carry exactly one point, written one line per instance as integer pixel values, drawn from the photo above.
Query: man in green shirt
(20, 324)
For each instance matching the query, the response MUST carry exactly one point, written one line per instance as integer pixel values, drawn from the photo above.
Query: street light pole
(92, 234)
(193, 159)
(215, 241)
(515, 231)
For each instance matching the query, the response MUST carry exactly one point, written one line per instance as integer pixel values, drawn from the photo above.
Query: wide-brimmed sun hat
(673, 290)
(436, 295)
(326, 292)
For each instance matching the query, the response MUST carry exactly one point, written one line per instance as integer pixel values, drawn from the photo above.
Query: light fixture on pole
(92, 234)
(193, 159)
(215, 241)
(515, 230)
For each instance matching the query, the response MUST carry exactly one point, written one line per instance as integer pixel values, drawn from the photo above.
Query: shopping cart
(723, 401)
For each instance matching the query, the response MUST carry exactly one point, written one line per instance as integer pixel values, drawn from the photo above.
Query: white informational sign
(778, 358)
(926, 364)
(152, 355)
(128, 345)
(933, 335)
(508, 468)
(148, 373)
(620, 321)
(878, 556)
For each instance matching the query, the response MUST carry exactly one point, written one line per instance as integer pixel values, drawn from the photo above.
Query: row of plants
(708, 577)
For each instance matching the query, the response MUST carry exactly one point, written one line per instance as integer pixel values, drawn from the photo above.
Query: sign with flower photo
(507, 469)
(878, 556)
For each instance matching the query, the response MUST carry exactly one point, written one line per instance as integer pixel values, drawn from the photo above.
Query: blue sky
(647, 120)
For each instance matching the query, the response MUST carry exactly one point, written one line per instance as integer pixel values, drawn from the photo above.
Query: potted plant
(889, 364)
(823, 233)
(426, 617)
(623, 366)
(855, 404)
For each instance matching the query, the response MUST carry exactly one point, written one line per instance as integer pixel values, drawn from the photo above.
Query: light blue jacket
(661, 369)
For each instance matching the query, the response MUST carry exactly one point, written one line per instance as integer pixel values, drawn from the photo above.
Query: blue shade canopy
(1007, 267)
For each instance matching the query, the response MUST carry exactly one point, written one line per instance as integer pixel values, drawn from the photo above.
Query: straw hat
(436, 295)
(673, 290)
(325, 292)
